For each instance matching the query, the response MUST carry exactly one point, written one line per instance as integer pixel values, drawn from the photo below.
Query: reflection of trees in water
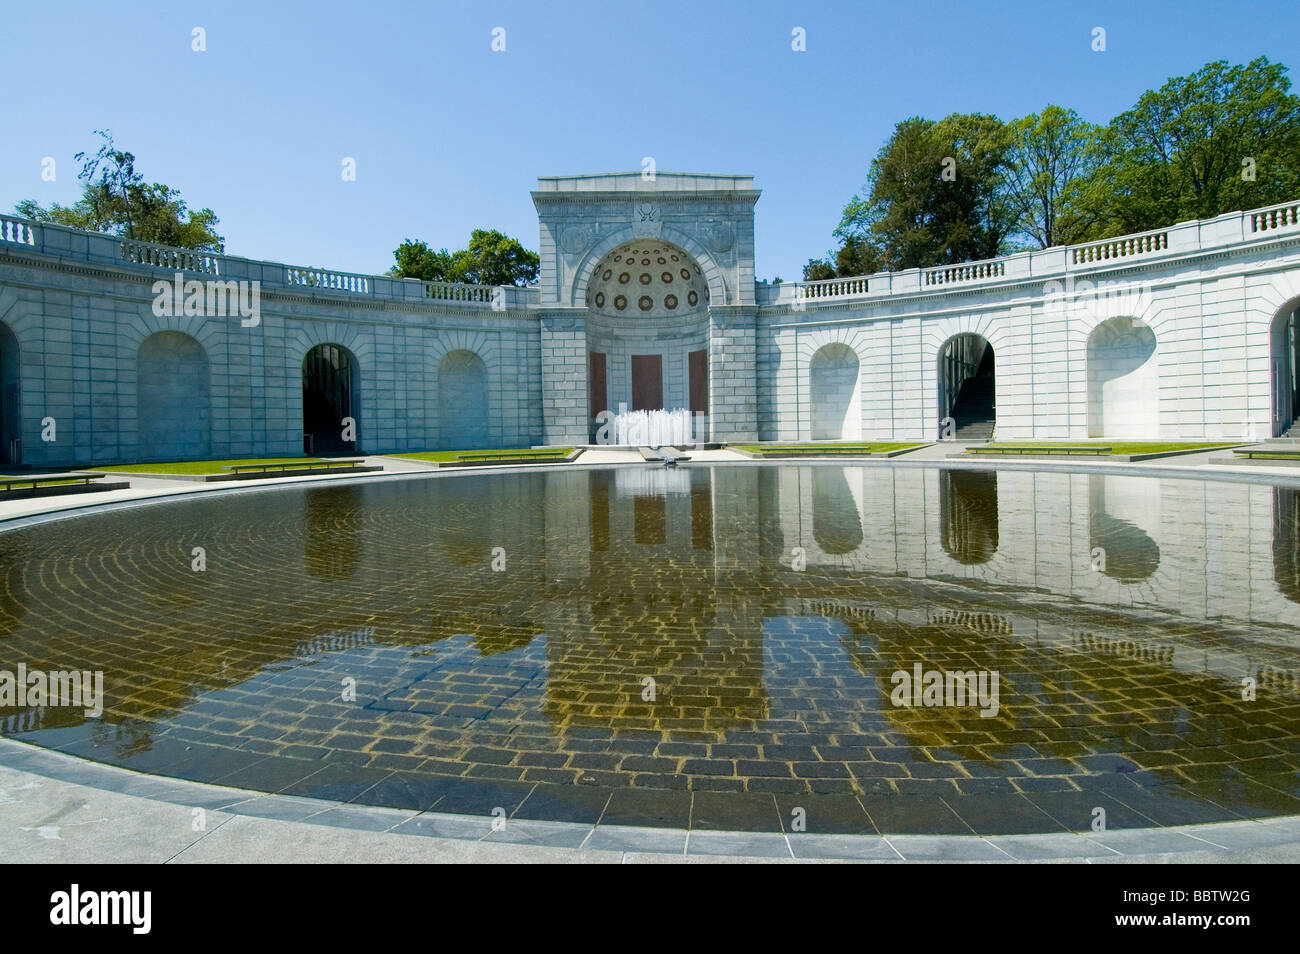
(1107, 693)
(837, 524)
(331, 538)
(1131, 555)
(1286, 542)
(968, 515)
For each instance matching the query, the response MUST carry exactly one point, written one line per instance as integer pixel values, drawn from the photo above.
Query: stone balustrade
(170, 258)
(1232, 228)
(1126, 246)
(1229, 229)
(1278, 217)
(970, 272)
(16, 230)
(322, 278)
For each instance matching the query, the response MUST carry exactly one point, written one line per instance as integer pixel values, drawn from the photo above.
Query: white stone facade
(1180, 333)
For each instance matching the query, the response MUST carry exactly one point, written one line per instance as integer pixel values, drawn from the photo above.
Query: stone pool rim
(1165, 843)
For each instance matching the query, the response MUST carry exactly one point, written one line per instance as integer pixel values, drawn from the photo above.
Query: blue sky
(449, 136)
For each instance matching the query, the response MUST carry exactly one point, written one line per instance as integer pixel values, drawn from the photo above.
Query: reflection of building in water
(331, 540)
(1286, 542)
(659, 604)
(837, 523)
(968, 515)
(1127, 553)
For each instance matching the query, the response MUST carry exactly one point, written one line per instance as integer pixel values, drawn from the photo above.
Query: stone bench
(1042, 449)
(53, 485)
(297, 466)
(1273, 454)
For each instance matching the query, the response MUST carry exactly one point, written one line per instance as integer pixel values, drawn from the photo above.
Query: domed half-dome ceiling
(648, 279)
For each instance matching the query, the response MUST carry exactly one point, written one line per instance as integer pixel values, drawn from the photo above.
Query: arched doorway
(463, 401)
(967, 387)
(331, 383)
(11, 446)
(1284, 360)
(648, 332)
(1123, 380)
(833, 394)
(173, 399)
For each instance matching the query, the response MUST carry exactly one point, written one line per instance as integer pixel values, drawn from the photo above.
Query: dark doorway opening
(329, 401)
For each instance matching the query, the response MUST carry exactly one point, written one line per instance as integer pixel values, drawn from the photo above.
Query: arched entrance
(173, 400)
(331, 383)
(1284, 360)
(1123, 380)
(834, 398)
(11, 445)
(967, 387)
(647, 332)
(462, 401)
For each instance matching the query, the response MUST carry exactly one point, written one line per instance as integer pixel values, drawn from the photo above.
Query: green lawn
(1123, 447)
(195, 466)
(864, 448)
(438, 457)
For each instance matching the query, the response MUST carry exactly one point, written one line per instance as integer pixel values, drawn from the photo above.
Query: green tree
(855, 256)
(492, 258)
(935, 194)
(418, 260)
(1050, 176)
(117, 200)
(1222, 139)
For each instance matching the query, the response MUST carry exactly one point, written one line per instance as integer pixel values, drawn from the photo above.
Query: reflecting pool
(715, 646)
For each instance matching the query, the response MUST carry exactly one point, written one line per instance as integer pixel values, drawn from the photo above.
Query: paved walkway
(56, 808)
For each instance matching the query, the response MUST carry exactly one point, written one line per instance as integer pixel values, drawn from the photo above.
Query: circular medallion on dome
(645, 261)
(645, 302)
(670, 302)
(620, 302)
(666, 278)
(645, 278)
(604, 276)
(624, 278)
(600, 299)
(661, 260)
(692, 298)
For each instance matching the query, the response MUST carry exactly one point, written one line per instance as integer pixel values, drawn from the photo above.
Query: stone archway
(173, 398)
(834, 393)
(647, 331)
(967, 383)
(1284, 368)
(1123, 380)
(10, 397)
(331, 406)
(462, 401)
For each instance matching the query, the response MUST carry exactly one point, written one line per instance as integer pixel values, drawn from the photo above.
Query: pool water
(721, 647)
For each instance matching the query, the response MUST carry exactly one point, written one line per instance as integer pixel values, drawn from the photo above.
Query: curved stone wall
(1199, 303)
